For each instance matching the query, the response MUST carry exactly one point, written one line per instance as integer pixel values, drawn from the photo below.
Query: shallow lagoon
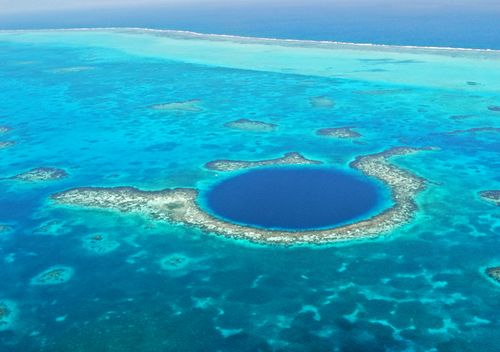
(419, 287)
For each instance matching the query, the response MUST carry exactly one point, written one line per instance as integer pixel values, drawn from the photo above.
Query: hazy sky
(19, 6)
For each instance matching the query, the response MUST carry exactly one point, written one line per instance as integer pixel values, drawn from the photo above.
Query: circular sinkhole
(294, 198)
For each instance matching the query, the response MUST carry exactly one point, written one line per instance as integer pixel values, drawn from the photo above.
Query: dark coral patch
(338, 132)
(494, 273)
(41, 174)
(251, 125)
(491, 196)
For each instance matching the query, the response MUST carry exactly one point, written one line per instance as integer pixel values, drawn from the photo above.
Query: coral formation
(322, 102)
(53, 276)
(179, 106)
(180, 205)
(251, 125)
(41, 174)
(338, 132)
(292, 158)
(491, 196)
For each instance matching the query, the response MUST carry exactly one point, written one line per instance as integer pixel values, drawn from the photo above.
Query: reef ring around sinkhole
(293, 198)
(180, 205)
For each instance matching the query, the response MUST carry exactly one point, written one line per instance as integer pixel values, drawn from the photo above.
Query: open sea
(83, 101)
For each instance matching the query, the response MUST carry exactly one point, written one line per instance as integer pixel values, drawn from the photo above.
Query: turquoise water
(295, 198)
(81, 101)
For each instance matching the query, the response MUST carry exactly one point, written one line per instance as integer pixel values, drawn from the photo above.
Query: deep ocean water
(294, 198)
(83, 101)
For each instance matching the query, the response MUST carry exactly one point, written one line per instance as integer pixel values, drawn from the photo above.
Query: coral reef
(292, 158)
(491, 196)
(6, 144)
(8, 312)
(53, 276)
(322, 102)
(174, 261)
(180, 106)
(493, 273)
(99, 243)
(71, 69)
(338, 132)
(180, 205)
(251, 125)
(41, 174)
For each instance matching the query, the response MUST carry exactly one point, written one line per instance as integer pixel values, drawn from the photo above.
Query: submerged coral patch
(174, 261)
(99, 243)
(322, 102)
(6, 144)
(4, 129)
(41, 174)
(192, 105)
(8, 313)
(292, 158)
(5, 228)
(180, 205)
(53, 276)
(494, 108)
(493, 273)
(339, 132)
(72, 69)
(251, 125)
(491, 196)
(52, 228)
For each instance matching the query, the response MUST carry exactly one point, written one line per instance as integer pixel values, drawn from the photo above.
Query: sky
(20, 6)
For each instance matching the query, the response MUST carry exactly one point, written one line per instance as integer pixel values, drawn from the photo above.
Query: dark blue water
(293, 198)
(468, 24)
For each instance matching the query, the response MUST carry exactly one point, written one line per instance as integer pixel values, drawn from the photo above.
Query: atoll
(41, 174)
(292, 158)
(339, 132)
(53, 276)
(322, 102)
(174, 261)
(8, 312)
(6, 144)
(494, 108)
(180, 205)
(99, 243)
(251, 125)
(491, 196)
(179, 106)
(493, 273)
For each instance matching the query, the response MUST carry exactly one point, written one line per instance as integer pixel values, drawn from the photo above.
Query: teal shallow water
(80, 100)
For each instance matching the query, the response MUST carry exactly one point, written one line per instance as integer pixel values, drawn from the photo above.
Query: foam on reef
(180, 205)
(53, 276)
